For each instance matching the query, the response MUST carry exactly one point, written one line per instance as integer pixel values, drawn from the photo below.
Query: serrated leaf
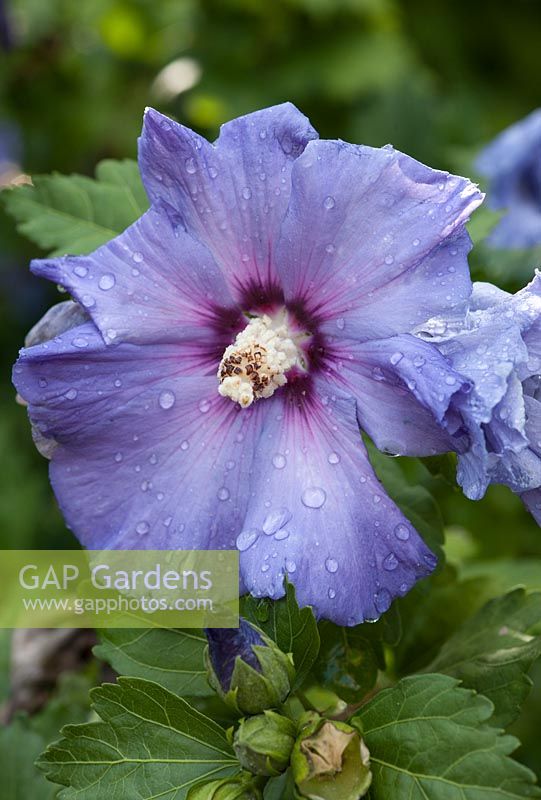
(172, 658)
(293, 629)
(74, 214)
(493, 651)
(19, 748)
(347, 662)
(429, 738)
(149, 743)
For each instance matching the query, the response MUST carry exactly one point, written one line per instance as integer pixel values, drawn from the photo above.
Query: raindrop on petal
(390, 562)
(106, 281)
(246, 539)
(314, 497)
(142, 527)
(276, 520)
(382, 600)
(166, 400)
(402, 532)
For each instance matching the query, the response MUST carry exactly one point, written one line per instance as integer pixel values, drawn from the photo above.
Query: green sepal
(263, 743)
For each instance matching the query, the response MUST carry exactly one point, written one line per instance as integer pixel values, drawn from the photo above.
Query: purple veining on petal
(349, 250)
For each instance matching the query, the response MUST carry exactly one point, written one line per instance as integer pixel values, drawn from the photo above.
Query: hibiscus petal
(363, 219)
(145, 457)
(403, 387)
(320, 516)
(231, 195)
(150, 284)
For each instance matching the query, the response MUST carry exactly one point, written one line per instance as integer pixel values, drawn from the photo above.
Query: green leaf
(432, 612)
(347, 663)
(150, 743)
(429, 738)
(172, 658)
(293, 629)
(19, 748)
(505, 573)
(493, 651)
(75, 214)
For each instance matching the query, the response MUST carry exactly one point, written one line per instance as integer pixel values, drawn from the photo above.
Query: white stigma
(254, 366)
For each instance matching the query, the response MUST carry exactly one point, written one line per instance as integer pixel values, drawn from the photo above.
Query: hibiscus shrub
(254, 328)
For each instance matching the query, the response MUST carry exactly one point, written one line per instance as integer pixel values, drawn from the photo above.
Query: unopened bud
(263, 743)
(247, 669)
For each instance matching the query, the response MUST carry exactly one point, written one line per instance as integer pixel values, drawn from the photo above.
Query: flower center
(255, 365)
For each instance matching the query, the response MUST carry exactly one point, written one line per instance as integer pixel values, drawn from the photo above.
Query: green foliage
(20, 746)
(428, 738)
(493, 651)
(347, 662)
(293, 629)
(73, 214)
(172, 658)
(149, 742)
(22, 741)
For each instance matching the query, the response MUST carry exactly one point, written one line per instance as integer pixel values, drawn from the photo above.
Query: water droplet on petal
(142, 527)
(191, 167)
(137, 257)
(87, 300)
(204, 406)
(246, 539)
(184, 445)
(246, 192)
(279, 461)
(389, 260)
(166, 400)
(430, 560)
(223, 493)
(283, 533)
(340, 323)
(80, 271)
(331, 565)
(314, 497)
(118, 457)
(213, 172)
(382, 600)
(390, 562)
(276, 520)
(290, 566)
(332, 594)
(71, 394)
(329, 203)
(396, 358)
(43, 382)
(402, 532)
(106, 281)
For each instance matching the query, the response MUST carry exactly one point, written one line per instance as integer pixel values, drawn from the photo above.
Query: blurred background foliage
(436, 79)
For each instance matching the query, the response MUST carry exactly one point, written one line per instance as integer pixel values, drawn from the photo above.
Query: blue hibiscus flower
(237, 335)
(496, 428)
(512, 164)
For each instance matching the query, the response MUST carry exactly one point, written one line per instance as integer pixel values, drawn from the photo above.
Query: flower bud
(247, 669)
(330, 760)
(263, 743)
(241, 787)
